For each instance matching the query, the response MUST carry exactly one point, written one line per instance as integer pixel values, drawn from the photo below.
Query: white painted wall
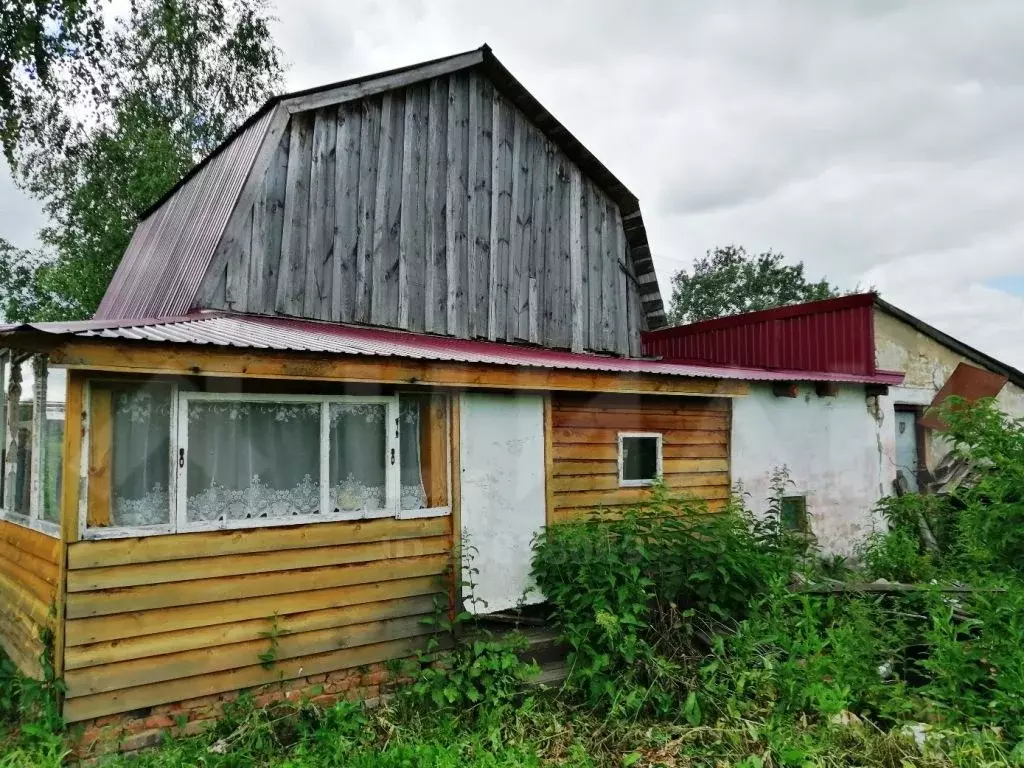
(833, 448)
(503, 499)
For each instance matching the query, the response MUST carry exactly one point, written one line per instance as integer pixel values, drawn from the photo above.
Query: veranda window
(32, 439)
(184, 460)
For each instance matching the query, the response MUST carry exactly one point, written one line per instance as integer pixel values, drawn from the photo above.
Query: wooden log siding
(584, 473)
(161, 619)
(29, 575)
(439, 207)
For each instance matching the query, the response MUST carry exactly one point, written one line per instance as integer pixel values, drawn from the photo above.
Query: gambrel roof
(163, 268)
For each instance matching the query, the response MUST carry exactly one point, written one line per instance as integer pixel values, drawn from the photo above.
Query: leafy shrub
(480, 673)
(974, 670)
(621, 588)
(897, 556)
(990, 522)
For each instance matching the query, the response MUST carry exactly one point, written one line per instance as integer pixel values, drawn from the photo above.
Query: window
(423, 445)
(33, 396)
(162, 460)
(793, 514)
(639, 458)
(130, 456)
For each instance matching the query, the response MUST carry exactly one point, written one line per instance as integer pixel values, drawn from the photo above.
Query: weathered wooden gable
(437, 207)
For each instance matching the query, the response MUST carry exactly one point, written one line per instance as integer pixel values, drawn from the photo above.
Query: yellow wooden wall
(29, 576)
(584, 449)
(166, 618)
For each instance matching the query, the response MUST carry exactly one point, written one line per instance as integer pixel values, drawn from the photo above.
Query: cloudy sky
(880, 142)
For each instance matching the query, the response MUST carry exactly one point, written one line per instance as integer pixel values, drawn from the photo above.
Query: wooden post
(455, 464)
(549, 463)
(13, 406)
(74, 432)
(100, 457)
(40, 369)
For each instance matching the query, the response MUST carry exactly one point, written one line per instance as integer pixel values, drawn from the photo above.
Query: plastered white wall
(833, 449)
(927, 365)
(503, 498)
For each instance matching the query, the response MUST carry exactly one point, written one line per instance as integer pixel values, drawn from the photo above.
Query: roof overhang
(224, 344)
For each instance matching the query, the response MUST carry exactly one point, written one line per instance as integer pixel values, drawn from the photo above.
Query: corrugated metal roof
(172, 246)
(835, 335)
(171, 249)
(289, 335)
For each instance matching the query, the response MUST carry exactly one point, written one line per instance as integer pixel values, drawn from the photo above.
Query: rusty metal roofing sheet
(289, 335)
(171, 249)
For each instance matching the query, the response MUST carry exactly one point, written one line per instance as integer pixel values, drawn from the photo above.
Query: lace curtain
(252, 460)
(140, 456)
(358, 456)
(258, 459)
(410, 418)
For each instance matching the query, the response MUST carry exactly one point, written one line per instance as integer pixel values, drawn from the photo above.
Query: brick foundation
(137, 730)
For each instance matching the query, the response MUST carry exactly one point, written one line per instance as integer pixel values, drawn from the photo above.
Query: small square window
(639, 458)
(793, 514)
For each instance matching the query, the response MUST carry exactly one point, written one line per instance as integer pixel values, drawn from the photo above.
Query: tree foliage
(177, 76)
(43, 43)
(729, 281)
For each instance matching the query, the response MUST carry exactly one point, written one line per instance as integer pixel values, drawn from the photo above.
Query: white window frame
(34, 520)
(623, 483)
(178, 477)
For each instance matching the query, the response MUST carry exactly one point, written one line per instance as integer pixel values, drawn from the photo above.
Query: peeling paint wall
(832, 448)
(927, 365)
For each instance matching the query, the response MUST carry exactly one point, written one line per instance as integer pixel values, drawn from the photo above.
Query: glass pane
(639, 458)
(423, 442)
(412, 414)
(140, 451)
(358, 456)
(250, 460)
(53, 442)
(793, 513)
(18, 484)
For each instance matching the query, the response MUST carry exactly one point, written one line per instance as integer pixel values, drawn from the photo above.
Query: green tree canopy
(729, 281)
(176, 77)
(42, 44)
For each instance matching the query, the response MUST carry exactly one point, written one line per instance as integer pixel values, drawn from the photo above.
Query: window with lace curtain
(181, 461)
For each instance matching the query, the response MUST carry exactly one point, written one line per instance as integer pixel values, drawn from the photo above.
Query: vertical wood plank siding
(164, 618)
(438, 208)
(584, 440)
(29, 578)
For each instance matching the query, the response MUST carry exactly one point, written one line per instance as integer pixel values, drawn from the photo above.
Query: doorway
(909, 451)
(503, 496)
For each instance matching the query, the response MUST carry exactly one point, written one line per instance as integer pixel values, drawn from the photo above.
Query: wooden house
(385, 312)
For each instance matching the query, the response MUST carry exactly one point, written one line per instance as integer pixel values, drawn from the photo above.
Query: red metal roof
(834, 336)
(290, 335)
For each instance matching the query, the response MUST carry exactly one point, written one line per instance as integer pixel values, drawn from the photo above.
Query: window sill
(636, 483)
(412, 514)
(43, 526)
(267, 522)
